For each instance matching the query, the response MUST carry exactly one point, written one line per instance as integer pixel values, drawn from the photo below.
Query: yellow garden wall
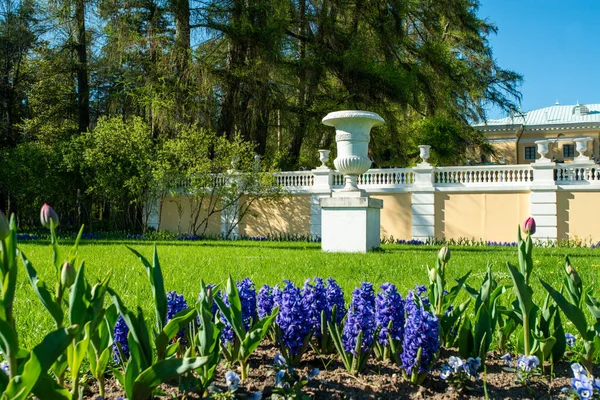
(288, 215)
(169, 217)
(487, 216)
(577, 216)
(396, 215)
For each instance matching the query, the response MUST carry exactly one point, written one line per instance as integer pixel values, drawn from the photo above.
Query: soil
(380, 380)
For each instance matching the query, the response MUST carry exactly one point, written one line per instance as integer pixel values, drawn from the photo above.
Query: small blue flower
(528, 363)
(255, 395)
(232, 380)
(4, 367)
(446, 372)
(473, 365)
(313, 373)
(507, 358)
(570, 339)
(455, 363)
(279, 361)
(279, 377)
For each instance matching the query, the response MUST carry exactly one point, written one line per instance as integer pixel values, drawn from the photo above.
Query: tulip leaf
(9, 343)
(257, 333)
(45, 296)
(573, 313)
(47, 388)
(77, 308)
(523, 291)
(177, 323)
(40, 359)
(164, 371)
(10, 258)
(559, 348)
(157, 285)
(593, 305)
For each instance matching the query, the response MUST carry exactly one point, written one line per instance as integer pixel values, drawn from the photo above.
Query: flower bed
(291, 341)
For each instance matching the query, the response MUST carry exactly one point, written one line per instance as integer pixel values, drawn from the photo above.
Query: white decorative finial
(557, 103)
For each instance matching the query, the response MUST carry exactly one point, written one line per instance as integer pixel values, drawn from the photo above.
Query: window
(568, 151)
(530, 153)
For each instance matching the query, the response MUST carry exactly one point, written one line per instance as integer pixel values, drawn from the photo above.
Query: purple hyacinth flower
(292, 319)
(389, 307)
(361, 317)
(247, 294)
(265, 301)
(120, 344)
(335, 297)
(314, 299)
(421, 331)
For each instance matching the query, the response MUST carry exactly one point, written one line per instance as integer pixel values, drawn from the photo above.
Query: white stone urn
(352, 134)
(543, 147)
(424, 154)
(581, 147)
(323, 157)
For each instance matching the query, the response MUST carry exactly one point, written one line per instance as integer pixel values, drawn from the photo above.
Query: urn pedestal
(350, 219)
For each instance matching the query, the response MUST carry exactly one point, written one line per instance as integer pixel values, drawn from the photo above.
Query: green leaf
(466, 343)
(8, 339)
(573, 313)
(523, 291)
(157, 285)
(137, 329)
(257, 333)
(47, 388)
(10, 258)
(177, 323)
(164, 371)
(40, 359)
(559, 348)
(77, 308)
(593, 305)
(45, 296)
(482, 332)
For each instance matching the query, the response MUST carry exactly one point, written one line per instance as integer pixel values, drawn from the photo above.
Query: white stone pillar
(423, 203)
(323, 180)
(154, 213)
(230, 218)
(542, 202)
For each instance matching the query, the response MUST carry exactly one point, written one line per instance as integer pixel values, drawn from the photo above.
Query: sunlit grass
(184, 264)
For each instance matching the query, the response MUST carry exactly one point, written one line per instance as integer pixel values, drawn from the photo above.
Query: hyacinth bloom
(361, 318)
(265, 301)
(293, 323)
(421, 335)
(389, 308)
(314, 299)
(120, 344)
(175, 304)
(335, 297)
(247, 294)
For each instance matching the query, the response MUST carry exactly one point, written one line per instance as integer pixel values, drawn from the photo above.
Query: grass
(184, 264)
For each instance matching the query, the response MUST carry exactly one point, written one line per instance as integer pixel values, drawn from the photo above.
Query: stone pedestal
(350, 224)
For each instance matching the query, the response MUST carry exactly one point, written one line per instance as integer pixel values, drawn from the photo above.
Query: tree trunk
(83, 88)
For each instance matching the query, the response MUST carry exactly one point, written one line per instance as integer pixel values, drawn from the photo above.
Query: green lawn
(184, 264)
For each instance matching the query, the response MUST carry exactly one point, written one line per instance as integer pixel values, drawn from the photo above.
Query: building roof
(553, 117)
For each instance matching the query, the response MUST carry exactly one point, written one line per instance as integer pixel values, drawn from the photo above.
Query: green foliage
(245, 341)
(475, 335)
(442, 302)
(579, 299)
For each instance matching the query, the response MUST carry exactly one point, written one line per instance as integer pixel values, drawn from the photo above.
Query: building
(513, 138)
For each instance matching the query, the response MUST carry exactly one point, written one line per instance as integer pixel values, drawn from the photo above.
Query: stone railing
(379, 178)
(488, 174)
(574, 173)
(295, 179)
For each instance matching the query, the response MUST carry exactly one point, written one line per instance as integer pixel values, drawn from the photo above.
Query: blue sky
(554, 44)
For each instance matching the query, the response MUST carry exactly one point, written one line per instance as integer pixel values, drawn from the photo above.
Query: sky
(554, 44)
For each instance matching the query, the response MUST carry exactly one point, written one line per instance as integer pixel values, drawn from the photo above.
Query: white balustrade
(573, 173)
(294, 179)
(488, 174)
(391, 177)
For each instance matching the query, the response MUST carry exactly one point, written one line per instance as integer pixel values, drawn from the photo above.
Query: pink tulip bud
(529, 226)
(4, 226)
(67, 275)
(47, 214)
